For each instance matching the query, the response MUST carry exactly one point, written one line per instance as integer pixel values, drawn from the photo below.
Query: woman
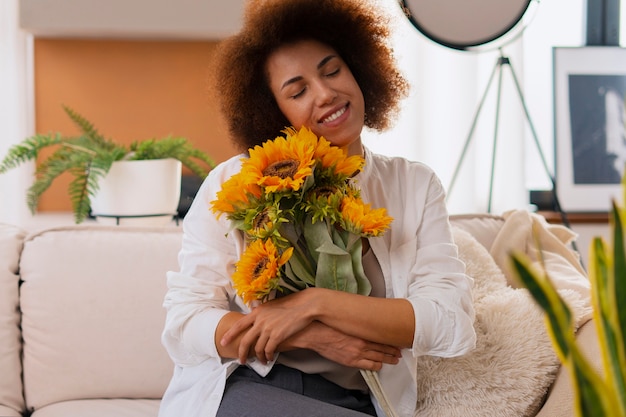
(323, 64)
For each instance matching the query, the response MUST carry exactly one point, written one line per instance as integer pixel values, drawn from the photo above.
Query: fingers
(249, 340)
(390, 352)
(256, 337)
(236, 329)
(263, 353)
(373, 360)
(383, 354)
(351, 351)
(370, 365)
(266, 347)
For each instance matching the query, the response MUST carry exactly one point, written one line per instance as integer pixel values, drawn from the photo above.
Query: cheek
(295, 112)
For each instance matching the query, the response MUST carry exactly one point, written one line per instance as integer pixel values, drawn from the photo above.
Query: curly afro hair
(353, 28)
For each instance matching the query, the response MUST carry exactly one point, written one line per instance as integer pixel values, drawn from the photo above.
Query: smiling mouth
(335, 115)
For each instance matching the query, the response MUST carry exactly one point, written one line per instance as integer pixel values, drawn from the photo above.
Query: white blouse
(417, 256)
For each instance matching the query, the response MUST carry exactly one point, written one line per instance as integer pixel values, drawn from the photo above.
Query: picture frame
(589, 123)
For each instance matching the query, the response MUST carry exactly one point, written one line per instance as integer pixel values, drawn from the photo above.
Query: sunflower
(235, 196)
(258, 270)
(337, 159)
(264, 221)
(359, 218)
(324, 202)
(282, 164)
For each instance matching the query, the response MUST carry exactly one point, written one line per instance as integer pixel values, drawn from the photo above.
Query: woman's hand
(345, 349)
(268, 325)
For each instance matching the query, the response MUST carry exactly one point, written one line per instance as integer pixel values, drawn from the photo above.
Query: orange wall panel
(130, 90)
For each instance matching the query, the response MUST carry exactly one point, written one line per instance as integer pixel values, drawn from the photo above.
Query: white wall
(16, 110)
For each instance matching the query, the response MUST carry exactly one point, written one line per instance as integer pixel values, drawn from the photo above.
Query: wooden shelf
(576, 218)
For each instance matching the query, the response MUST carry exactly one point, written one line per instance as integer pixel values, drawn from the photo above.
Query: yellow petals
(236, 193)
(282, 164)
(360, 218)
(333, 157)
(258, 271)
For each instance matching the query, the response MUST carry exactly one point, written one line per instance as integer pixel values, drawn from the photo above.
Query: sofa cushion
(101, 408)
(92, 312)
(484, 227)
(11, 401)
(513, 365)
(9, 412)
(547, 247)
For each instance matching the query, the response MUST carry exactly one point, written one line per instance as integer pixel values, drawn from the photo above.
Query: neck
(356, 148)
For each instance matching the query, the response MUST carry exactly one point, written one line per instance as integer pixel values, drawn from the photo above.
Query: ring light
(465, 24)
(477, 25)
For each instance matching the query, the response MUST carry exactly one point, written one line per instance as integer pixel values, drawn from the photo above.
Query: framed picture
(589, 93)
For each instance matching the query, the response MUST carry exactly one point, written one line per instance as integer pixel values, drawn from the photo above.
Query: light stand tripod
(498, 67)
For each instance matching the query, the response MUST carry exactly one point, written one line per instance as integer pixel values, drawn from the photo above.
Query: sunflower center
(282, 169)
(261, 219)
(325, 191)
(260, 267)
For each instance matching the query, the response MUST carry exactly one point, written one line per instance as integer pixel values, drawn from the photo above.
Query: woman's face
(315, 88)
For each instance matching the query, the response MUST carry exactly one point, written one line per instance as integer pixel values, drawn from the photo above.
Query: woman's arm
(383, 322)
(330, 343)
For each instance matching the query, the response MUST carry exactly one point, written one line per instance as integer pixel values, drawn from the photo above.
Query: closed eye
(299, 93)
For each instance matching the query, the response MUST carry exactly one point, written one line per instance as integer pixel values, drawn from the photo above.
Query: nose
(325, 93)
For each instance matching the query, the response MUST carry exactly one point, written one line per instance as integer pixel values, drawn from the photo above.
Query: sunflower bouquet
(302, 217)
(303, 220)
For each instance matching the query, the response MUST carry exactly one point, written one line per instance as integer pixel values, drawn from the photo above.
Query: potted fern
(596, 395)
(97, 164)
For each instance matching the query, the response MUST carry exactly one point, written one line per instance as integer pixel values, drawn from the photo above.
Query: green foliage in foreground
(595, 395)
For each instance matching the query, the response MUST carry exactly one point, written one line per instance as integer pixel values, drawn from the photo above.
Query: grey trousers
(287, 392)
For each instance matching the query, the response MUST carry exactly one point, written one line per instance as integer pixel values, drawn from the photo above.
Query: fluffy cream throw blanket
(513, 365)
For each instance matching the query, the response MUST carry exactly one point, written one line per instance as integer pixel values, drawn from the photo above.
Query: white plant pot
(145, 193)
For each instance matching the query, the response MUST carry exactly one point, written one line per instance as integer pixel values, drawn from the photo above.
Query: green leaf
(57, 164)
(619, 293)
(593, 396)
(329, 248)
(316, 235)
(355, 247)
(605, 277)
(88, 129)
(335, 272)
(299, 270)
(558, 314)
(173, 147)
(590, 390)
(28, 150)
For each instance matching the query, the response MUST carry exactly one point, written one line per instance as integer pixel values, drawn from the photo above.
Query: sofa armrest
(560, 399)
(11, 398)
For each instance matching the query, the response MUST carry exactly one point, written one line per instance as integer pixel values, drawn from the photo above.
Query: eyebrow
(299, 77)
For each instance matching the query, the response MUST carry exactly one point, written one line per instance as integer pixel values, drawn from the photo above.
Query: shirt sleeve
(200, 293)
(425, 267)
(439, 289)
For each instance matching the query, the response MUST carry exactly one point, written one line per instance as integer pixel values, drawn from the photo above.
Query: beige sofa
(81, 316)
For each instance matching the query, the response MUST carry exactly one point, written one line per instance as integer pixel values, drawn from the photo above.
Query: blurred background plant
(88, 157)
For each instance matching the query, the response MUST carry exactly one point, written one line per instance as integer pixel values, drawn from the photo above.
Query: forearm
(229, 350)
(330, 343)
(380, 320)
